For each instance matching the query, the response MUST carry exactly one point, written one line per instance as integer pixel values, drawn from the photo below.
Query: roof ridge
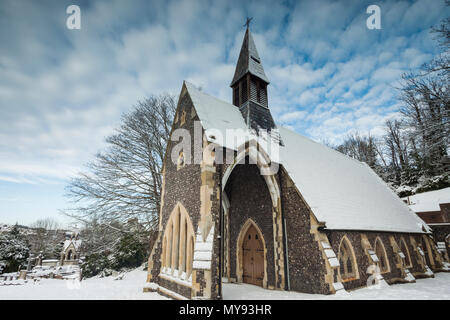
(324, 146)
(204, 93)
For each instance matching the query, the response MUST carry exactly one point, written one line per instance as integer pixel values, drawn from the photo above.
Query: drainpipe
(220, 234)
(286, 253)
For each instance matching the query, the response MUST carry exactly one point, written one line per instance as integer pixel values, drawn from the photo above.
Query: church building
(293, 216)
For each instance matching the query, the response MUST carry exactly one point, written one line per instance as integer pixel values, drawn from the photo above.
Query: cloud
(62, 91)
(292, 116)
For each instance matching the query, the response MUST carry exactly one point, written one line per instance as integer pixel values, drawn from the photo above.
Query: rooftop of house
(428, 201)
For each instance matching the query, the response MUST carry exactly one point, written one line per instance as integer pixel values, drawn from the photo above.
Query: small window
(244, 90)
(180, 162)
(256, 59)
(258, 93)
(236, 96)
(183, 118)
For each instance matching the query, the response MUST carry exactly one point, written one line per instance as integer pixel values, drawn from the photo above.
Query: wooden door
(253, 257)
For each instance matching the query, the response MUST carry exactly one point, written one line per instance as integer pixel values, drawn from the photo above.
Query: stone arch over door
(262, 160)
(240, 254)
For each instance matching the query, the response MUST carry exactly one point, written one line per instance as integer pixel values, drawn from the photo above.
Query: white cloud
(292, 116)
(62, 92)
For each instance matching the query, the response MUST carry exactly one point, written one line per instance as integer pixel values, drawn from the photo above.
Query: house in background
(70, 253)
(434, 208)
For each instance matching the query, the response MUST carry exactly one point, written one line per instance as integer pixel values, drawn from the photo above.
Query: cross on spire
(247, 23)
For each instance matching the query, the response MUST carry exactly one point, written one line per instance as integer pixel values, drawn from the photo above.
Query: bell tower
(249, 86)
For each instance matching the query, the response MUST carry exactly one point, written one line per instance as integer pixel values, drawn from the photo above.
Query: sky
(62, 91)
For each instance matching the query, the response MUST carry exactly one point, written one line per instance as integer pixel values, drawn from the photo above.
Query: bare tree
(124, 181)
(362, 148)
(425, 94)
(45, 237)
(426, 110)
(46, 224)
(414, 151)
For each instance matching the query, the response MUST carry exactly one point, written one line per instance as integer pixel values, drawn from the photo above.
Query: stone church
(296, 216)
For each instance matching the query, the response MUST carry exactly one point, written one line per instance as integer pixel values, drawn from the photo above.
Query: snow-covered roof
(428, 201)
(216, 116)
(67, 243)
(342, 192)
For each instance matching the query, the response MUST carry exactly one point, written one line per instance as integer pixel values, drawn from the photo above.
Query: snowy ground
(437, 288)
(130, 287)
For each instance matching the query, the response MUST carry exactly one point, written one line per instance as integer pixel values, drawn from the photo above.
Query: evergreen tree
(14, 250)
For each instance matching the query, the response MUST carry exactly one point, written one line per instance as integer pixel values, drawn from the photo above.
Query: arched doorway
(252, 194)
(253, 257)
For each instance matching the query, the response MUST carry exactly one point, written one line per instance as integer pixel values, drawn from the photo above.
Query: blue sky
(62, 91)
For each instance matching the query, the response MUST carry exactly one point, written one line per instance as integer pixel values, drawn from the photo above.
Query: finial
(247, 23)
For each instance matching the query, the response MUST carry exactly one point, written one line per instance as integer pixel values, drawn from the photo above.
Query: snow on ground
(437, 288)
(130, 288)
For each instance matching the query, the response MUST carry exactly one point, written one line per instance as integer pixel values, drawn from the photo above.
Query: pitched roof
(428, 201)
(342, 192)
(249, 60)
(216, 116)
(67, 243)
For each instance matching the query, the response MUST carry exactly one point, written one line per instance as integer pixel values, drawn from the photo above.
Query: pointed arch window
(236, 96)
(178, 245)
(380, 251)
(348, 268)
(183, 118)
(180, 161)
(244, 90)
(405, 251)
(426, 250)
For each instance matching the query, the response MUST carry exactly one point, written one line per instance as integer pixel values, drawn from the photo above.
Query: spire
(249, 60)
(249, 87)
